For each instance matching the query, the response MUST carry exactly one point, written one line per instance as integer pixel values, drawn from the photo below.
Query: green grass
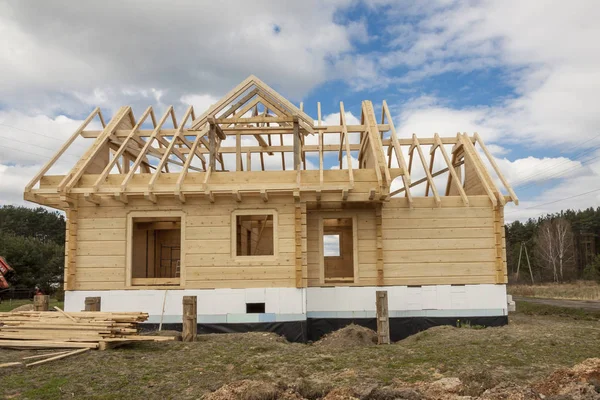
(579, 290)
(8, 305)
(528, 308)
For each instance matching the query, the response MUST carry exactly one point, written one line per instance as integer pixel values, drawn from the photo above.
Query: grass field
(580, 290)
(8, 305)
(530, 347)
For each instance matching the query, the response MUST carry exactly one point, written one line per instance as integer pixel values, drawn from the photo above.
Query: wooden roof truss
(254, 141)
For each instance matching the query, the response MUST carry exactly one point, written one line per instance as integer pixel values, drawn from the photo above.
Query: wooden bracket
(151, 196)
(92, 198)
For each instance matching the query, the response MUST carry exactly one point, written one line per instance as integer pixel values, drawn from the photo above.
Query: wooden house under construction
(276, 221)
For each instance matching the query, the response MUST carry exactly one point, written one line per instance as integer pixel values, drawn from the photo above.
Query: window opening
(254, 235)
(156, 247)
(338, 250)
(255, 308)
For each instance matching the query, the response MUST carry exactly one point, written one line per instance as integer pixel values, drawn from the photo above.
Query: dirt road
(581, 304)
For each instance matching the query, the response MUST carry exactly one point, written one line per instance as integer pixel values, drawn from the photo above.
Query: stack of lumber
(58, 329)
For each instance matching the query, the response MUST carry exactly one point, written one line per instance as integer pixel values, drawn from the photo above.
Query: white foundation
(291, 304)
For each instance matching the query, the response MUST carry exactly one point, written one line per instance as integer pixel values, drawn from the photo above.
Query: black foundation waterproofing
(314, 328)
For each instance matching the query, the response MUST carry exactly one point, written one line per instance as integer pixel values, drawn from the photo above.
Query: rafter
(126, 160)
(144, 150)
(120, 151)
(170, 149)
(64, 147)
(436, 195)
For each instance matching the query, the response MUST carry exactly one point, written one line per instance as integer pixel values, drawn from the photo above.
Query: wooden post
(92, 303)
(40, 302)
(383, 320)
(297, 145)
(212, 142)
(190, 318)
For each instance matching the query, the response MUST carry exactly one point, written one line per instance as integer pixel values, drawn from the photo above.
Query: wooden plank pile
(78, 330)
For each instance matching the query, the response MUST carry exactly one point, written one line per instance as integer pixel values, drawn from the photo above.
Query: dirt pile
(349, 336)
(251, 390)
(582, 382)
(24, 307)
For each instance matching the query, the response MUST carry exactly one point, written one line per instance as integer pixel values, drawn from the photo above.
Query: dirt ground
(533, 355)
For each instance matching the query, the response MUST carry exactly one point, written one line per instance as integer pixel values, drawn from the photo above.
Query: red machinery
(5, 272)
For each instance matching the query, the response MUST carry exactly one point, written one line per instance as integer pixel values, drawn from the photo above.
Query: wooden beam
(452, 170)
(78, 170)
(297, 146)
(436, 195)
(212, 121)
(257, 119)
(469, 151)
(92, 198)
(423, 180)
(144, 150)
(188, 162)
(320, 144)
(345, 136)
(492, 161)
(64, 148)
(170, 149)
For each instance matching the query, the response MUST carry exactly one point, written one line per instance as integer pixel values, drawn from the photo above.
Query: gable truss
(191, 157)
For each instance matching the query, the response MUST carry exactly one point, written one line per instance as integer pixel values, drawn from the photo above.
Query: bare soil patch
(349, 336)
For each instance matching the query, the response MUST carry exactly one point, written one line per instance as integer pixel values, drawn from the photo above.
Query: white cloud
(548, 53)
(90, 52)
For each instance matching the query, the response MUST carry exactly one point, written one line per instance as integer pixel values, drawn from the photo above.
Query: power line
(555, 201)
(577, 156)
(35, 133)
(25, 151)
(556, 175)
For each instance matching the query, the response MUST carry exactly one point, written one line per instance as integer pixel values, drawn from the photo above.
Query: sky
(524, 75)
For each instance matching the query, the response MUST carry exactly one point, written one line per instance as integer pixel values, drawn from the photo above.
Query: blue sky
(524, 75)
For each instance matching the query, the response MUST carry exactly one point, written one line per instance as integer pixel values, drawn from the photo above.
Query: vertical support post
(92, 303)
(300, 244)
(297, 145)
(40, 302)
(500, 244)
(379, 227)
(383, 320)
(70, 249)
(190, 318)
(238, 152)
(212, 142)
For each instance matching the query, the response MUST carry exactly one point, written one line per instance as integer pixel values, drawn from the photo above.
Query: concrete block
(242, 318)
(290, 317)
(212, 319)
(268, 317)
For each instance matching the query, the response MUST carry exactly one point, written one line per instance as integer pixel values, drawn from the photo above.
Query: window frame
(233, 242)
(334, 215)
(162, 283)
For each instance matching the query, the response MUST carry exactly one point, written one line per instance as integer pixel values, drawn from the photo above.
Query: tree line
(32, 240)
(561, 247)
